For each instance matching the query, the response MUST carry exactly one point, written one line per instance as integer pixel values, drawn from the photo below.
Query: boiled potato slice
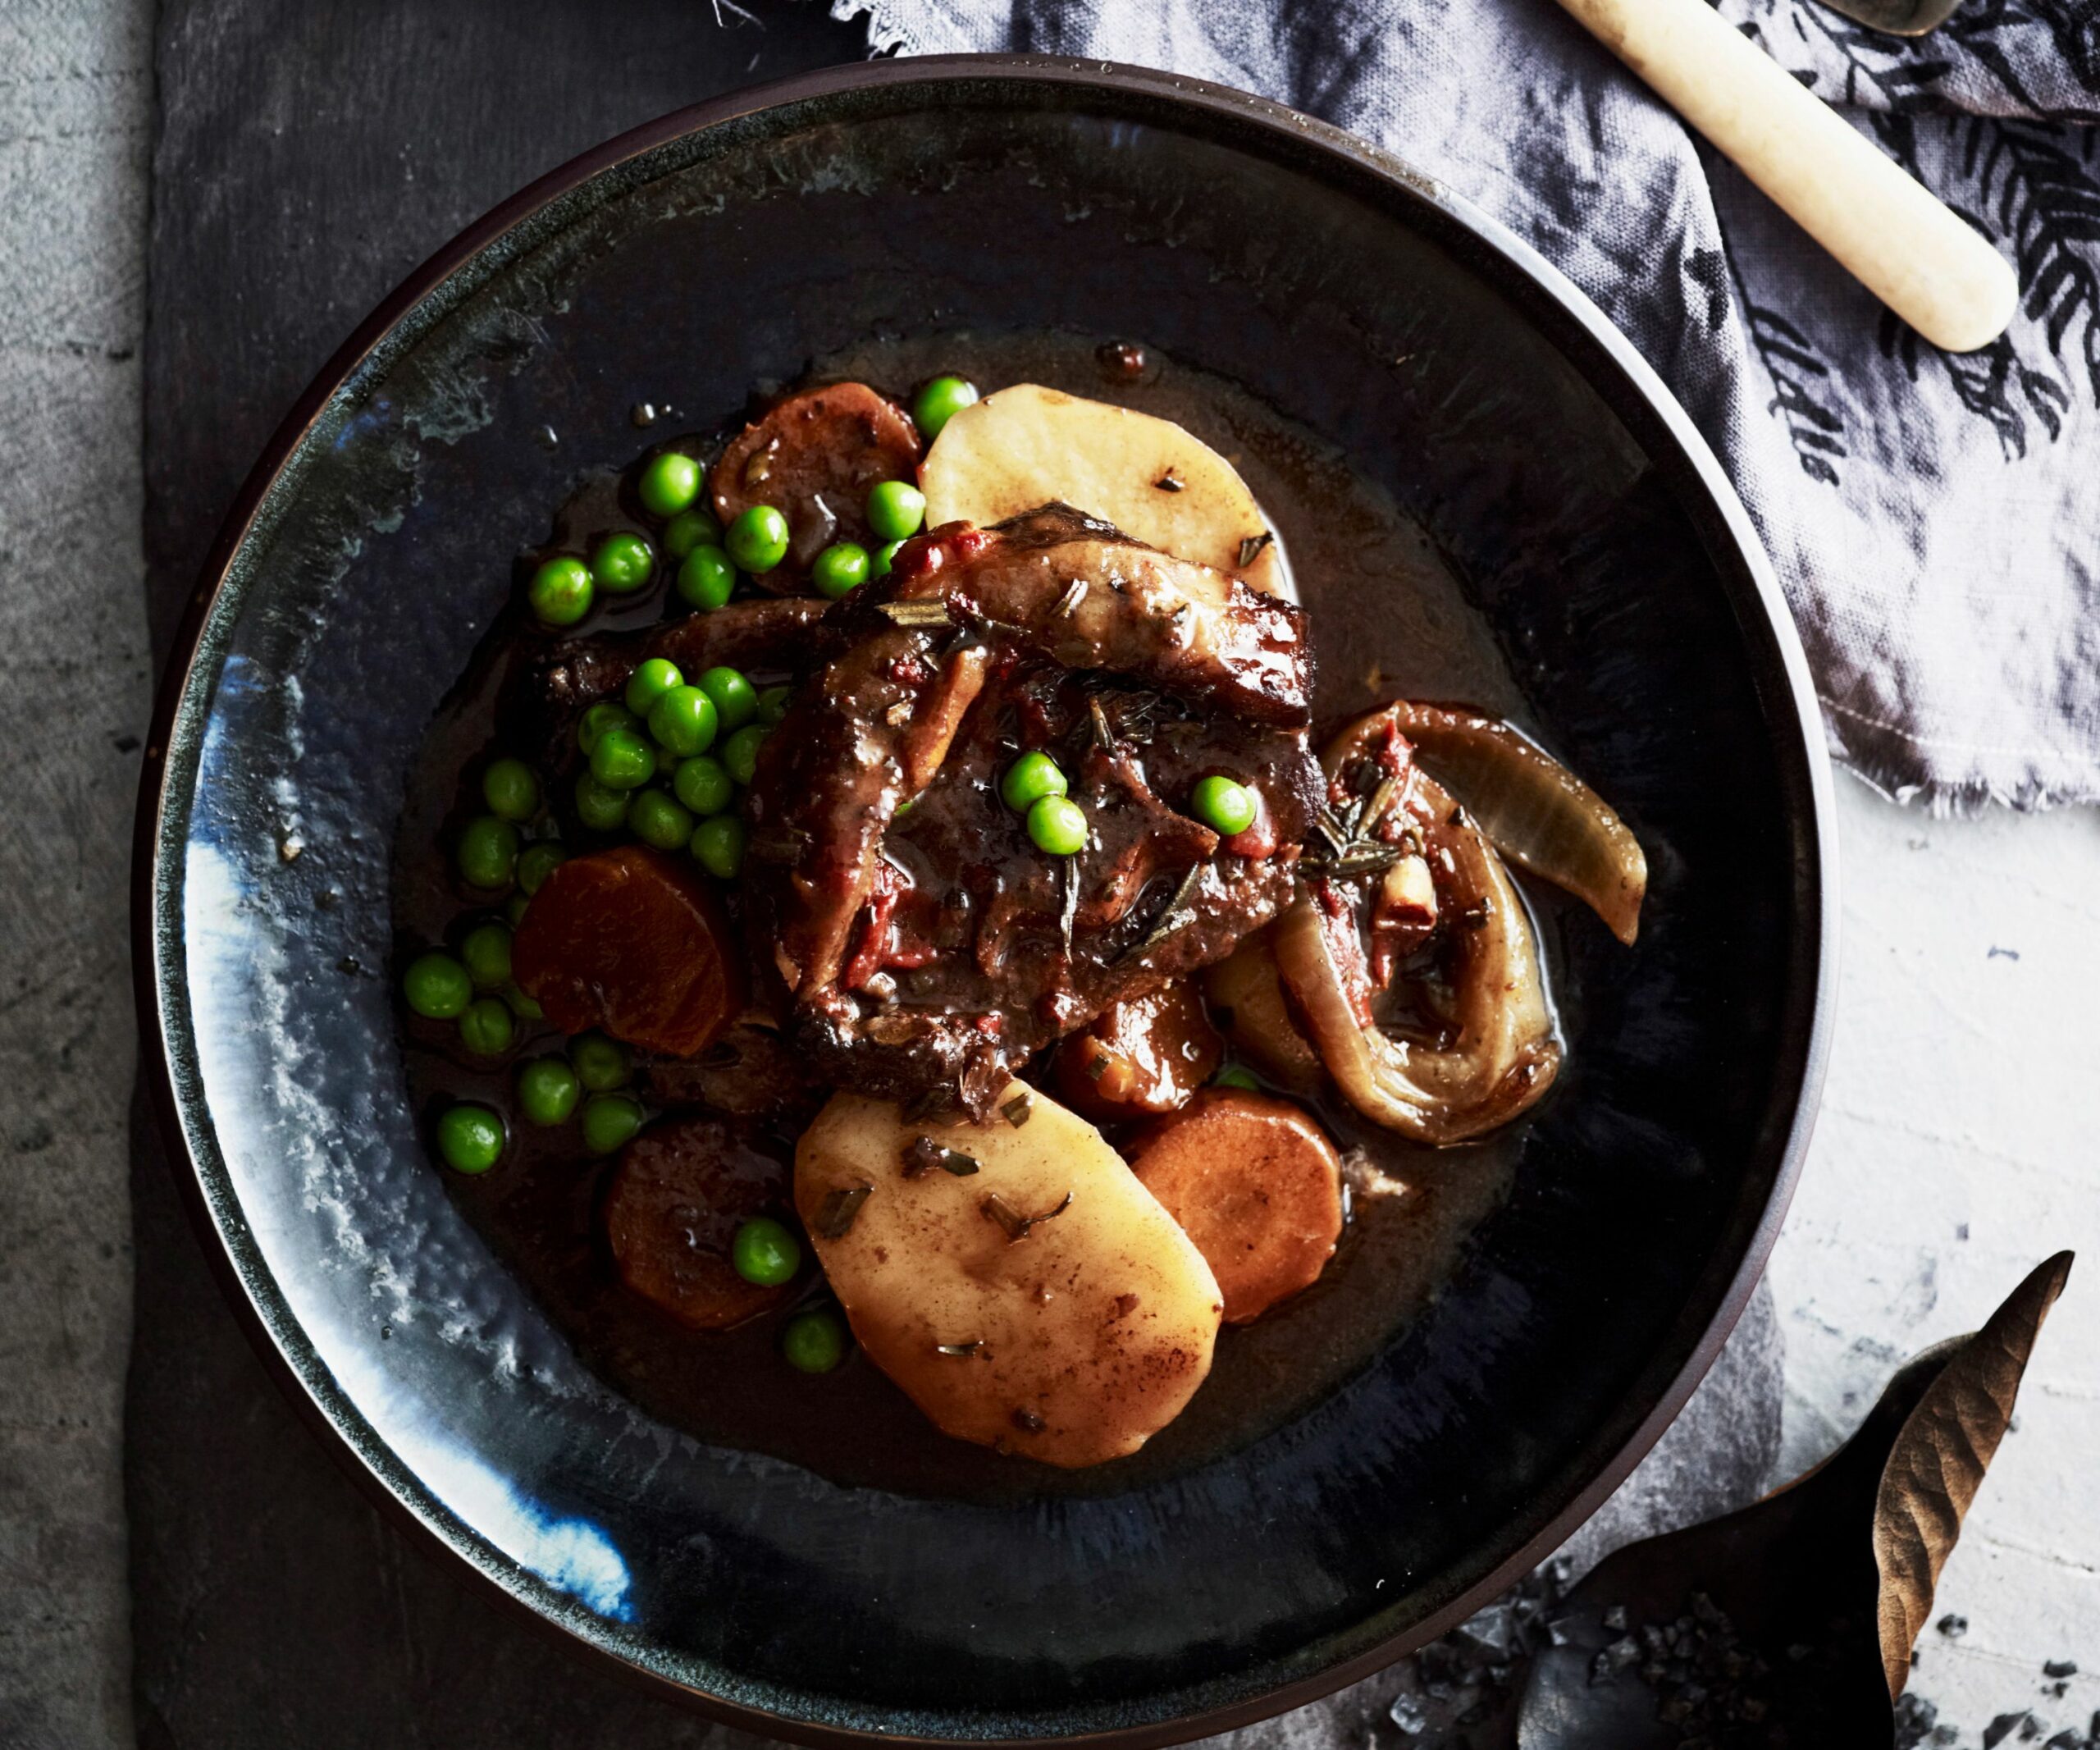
(1025, 445)
(1044, 1303)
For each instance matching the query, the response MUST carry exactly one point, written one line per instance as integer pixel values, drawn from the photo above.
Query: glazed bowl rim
(159, 968)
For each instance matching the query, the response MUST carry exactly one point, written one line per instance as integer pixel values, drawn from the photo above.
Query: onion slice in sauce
(1501, 1055)
(1537, 812)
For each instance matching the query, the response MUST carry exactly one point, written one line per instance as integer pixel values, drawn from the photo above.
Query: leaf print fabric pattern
(1935, 519)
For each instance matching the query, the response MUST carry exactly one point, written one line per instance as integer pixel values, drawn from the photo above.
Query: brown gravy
(1388, 620)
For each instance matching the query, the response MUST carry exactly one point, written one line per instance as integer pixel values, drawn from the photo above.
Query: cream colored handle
(1909, 250)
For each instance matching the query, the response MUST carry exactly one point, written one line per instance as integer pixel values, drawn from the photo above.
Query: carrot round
(630, 941)
(1258, 1187)
(672, 1214)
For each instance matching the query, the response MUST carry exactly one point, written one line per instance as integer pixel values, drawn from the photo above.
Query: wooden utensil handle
(1903, 244)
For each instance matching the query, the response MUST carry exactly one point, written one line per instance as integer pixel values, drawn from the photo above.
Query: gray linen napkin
(1935, 519)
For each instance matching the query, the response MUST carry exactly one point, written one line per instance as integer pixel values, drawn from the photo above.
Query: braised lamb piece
(926, 957)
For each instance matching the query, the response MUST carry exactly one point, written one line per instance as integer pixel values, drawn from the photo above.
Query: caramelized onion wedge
(1536, 811)
(1501, 1055)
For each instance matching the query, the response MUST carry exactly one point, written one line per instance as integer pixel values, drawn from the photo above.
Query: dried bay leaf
(1940, 1457)
(1792, 1621)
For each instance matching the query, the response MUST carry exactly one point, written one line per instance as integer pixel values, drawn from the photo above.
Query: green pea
(740, 753)
(773, 704)
(884, 554)
(939, 402)
(560, 592)
(470, 1138)
(1232, 1075)
(607, 714)
(622, 563)
(840, 569)
(652, 679)
(1056, 826)
(547, 1091)
(601, 809)
(765, 1253)
(703, 784)
(669, 483)
(485, 950)
(757, 541)
(538, 861)
(488, 851)
(707, 579)
(736, 699)
(524, 1008)
(1031, 777)
(896, 508)
(684, 721)
(622, 761)
(486, 1029)
(655, 820)
(718, 846)
(690, 529)
(813, 1342)
(511, 791)
(437, 987)
(610, 1122)
(1223, 805)
(601, 1064)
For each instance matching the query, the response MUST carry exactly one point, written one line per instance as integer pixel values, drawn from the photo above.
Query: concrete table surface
(1956, 1146)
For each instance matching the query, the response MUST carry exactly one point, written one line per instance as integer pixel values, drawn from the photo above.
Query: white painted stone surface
(1959, 1146)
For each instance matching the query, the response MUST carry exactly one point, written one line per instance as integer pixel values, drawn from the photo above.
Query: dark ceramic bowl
(1600, 550)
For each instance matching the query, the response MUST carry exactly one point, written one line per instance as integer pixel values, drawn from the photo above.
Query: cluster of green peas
(706, 733)
(593, 1074)
(1034, 788)
(709, 557)
(473, 987)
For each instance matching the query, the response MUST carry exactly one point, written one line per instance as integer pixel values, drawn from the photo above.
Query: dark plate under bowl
(1598, 546)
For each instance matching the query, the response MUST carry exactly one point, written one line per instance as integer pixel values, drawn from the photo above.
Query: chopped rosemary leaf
(840, 1209)
(1018, 1110)
(1179, 912)
(1068, 602)
(1250, 548)
(976, 1345)
(922, 1155)
(1028, 1422)
(917, 613)
(1170, 481)
(1011, 1222)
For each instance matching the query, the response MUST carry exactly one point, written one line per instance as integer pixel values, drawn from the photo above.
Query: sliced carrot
(1147, 1055)
(813, 458)
(632, 941)
(1256, 1185)
(681, 1191)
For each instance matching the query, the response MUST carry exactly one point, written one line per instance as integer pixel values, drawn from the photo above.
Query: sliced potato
(1042, 1303)
(1027, 445)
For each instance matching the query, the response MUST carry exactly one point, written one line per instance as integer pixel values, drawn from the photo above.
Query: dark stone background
(309, 153)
